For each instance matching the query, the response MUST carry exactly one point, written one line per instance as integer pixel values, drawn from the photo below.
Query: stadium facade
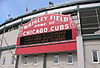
(75, 44)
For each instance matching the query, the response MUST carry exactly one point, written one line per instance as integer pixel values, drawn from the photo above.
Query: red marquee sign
(42, 25)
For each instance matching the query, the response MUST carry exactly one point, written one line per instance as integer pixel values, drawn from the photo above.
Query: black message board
(46, 37)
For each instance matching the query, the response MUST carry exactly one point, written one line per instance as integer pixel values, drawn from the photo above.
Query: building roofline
(49, 8)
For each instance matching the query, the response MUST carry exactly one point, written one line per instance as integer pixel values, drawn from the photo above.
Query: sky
(18, 7)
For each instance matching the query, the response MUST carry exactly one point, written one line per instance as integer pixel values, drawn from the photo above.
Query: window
(3, 61)
(95, 56)
(12, 60)
(35, 59)
(70, 58)
(25, 60)
(56, 59)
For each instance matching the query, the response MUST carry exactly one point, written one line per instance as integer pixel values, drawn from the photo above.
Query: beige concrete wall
(8, 57)
(91, 45)
(30, 62)
(62, 60)
(11, 37)
(49, 61)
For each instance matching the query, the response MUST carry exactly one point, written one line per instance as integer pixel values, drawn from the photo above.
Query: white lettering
(51, 17)
(37, 31)
(61, 19)
(61, 27)
(66, 26)
(41, 30)
(35, 21)
(39, 25)
(32, 22)
(28, 32)
(29, 24)
(41, 18)
(65, 19)
(45, 29)
(38, 20)
(24, 33)
(56, 28)
(25, 27)
(52, 28)
(57, 18)
(33, 31)
(45, 18)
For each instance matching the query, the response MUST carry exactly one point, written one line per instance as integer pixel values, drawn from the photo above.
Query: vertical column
(80, 52)
(80, 47)
(44, 60)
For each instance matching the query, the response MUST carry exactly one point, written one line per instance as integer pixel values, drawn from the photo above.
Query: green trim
(46, 9)
(7, 47)
(44, 61)
(90, 37)
(16, 64)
